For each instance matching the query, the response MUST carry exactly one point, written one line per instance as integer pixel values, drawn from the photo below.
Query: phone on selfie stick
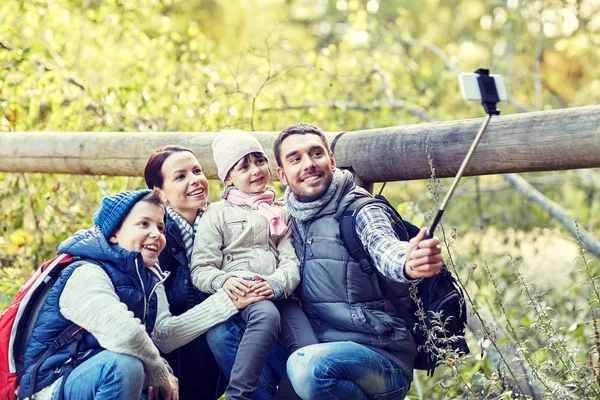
(489, 89)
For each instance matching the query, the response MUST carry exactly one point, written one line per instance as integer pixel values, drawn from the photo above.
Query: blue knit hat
(113, 209)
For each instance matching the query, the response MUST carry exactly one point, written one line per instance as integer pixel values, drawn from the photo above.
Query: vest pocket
(319, 247)
(372, 321)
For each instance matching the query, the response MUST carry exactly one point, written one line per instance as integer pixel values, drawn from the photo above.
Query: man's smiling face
(306, 166)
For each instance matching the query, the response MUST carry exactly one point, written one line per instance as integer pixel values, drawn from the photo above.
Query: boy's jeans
(345, 370)
(107, 375)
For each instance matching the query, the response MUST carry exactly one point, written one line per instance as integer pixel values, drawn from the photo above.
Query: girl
(252, 254)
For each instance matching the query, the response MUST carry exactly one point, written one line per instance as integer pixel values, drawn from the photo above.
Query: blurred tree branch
(8, 47)
(342, 105)
(522, 186)
(497, 187)
(70, 79)
(387, 90)
(589, 177)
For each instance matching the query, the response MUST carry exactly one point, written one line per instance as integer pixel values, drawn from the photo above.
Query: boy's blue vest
(134, 285)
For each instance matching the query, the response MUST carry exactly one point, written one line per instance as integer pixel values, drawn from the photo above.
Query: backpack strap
(347, 227)
(74, 357)
(347, 224)
(34, 308)
(70, 336)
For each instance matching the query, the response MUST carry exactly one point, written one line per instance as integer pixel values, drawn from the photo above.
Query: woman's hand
(236, 288)
(243, 302)
(168, 391)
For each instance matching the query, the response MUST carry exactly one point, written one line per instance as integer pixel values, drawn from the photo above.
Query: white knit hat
(230, 146)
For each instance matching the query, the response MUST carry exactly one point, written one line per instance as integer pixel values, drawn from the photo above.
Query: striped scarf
(188, 232)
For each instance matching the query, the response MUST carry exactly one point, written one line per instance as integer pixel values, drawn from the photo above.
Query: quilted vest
(134, 286)
(342, 302)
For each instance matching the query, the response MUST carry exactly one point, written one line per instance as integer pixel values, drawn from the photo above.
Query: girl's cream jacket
(234, 240)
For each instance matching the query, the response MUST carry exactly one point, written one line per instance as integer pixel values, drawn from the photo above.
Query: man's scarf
(306, 211)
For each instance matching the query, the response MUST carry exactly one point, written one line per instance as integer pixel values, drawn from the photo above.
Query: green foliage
(182, 65)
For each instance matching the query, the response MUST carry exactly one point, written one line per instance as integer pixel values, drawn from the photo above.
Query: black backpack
(442, 300)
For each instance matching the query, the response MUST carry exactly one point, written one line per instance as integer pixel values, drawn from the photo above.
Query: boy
(115, 295)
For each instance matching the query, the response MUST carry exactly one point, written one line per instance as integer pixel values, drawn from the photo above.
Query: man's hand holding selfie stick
(423, 257)
(424, 254)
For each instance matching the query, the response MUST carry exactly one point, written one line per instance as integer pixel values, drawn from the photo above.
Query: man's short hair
(297, 129)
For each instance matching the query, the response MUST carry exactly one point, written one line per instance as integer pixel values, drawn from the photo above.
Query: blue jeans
(224, 340)
(107, 375)
(344, 371)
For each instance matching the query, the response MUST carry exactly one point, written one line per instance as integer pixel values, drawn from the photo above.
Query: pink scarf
(262, 203)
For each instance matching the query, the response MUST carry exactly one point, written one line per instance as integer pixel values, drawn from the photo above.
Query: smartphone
(469, 87)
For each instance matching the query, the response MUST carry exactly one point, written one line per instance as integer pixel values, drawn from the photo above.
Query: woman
(175, 171)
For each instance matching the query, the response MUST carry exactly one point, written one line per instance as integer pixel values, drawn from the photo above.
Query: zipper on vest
(309, 243)
(137, 269)
(304, 244)
(161, 279)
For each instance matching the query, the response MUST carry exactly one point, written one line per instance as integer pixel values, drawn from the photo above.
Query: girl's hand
(262, 288)
(236, 287)
(248, 299)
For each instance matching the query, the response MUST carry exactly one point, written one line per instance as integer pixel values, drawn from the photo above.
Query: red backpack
(17, 321)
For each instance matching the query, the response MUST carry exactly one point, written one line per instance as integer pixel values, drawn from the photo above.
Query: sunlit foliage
(185, 65)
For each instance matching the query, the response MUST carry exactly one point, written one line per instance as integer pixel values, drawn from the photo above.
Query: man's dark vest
(344, 303)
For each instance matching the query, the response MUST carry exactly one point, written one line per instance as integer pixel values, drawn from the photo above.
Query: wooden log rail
(536, 141)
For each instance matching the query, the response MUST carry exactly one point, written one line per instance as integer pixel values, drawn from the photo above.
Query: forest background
(260, 65)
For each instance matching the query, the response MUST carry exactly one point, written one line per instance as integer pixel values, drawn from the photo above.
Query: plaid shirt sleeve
(374, 228)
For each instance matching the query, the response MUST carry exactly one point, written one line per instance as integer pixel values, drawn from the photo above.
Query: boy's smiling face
(142, 230)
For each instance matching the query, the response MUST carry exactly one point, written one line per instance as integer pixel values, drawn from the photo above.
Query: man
(366, 349)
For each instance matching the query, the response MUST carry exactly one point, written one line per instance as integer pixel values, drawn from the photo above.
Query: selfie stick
(489, 98)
